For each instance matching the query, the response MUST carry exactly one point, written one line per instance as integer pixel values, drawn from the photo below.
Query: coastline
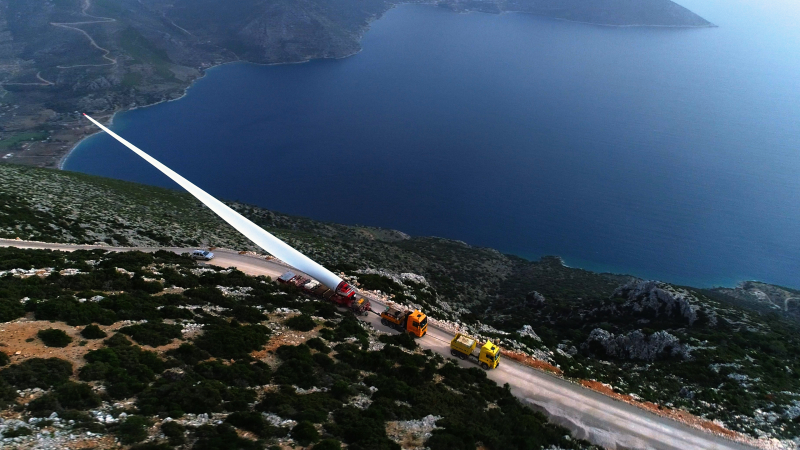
(63, 159)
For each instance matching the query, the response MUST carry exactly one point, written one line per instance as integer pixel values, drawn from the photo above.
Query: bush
(54, 338)
(190, 394)
(174, 432)
(305, 433)
(17, 432)
(301, 322)
(126, 369)
(328, 444)
(319, 345)
(38, 372)
(189, 354)
(73, 395)
(93, 332)
(67, 309)
(4, 359)
(402, 339)
(240, 373)
(10, 310)
(154, 334)
(247, 314)
(132, 430)
(232, 341)
(7, 392)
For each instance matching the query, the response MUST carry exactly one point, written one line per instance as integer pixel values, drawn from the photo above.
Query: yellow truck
(463, 347)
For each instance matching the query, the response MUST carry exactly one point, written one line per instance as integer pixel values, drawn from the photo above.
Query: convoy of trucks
(412, 322)
(463, 347)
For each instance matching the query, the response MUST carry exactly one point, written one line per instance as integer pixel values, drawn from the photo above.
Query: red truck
(344, 295)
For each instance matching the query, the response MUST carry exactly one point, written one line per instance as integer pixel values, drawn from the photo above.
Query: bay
(671, 154)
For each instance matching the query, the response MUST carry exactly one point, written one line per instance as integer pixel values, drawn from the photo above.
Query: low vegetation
(328, 390)
(733, 361)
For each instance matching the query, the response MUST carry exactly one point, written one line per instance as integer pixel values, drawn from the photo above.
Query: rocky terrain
(150, 351)
(703, 351)
(58, 58)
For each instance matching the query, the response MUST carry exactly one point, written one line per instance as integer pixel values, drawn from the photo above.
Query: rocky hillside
(703, 351)
(152, 352)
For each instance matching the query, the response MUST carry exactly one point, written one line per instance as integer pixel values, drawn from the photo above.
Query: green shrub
(247, 314)
(240, 373)
(125, 369)
(319, 345)
(189, 354)
(305, 433)
(37, 372)
(118, 340)
(301, 322)
(349, 327)
(7, 392)
(232, 341)
(17, 432)
(328, 444)
(68, 309)
(10, 310)
(93, 332)
(174, 432)
(402, 339)
(154, 334)
(190, 394)
(54, 338)
(73, 395)
(310, 407)
(4, 359)
(132, 430)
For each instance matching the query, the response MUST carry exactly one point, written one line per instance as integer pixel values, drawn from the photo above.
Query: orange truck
(414, 322)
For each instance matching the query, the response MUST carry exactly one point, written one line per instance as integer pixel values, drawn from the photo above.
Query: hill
(703, 351)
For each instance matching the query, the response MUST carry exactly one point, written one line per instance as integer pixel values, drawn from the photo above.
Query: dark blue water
(666, 153)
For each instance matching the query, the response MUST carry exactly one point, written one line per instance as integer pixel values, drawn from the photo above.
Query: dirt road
(588, 414)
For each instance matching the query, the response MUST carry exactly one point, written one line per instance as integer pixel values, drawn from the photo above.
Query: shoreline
(63, 159)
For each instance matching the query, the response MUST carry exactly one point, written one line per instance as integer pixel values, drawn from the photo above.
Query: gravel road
(588, 414)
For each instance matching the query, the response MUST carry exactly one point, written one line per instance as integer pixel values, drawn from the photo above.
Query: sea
(665, 153)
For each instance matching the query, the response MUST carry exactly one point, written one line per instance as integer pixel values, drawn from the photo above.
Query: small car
(202, 254)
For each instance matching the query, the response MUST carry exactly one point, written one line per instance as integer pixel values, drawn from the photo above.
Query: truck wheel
(384, 322)
(366, 312)
(462, 356)
(453, 353)
(484, 366)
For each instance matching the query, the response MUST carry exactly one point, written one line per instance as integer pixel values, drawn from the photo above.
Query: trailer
(344, 295)
(463, 347)
(414, 322)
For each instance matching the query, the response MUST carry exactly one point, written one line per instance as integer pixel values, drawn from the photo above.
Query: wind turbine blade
(258, 235)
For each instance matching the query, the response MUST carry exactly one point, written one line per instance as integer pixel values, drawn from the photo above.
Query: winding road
(70, 26)
(588, 414)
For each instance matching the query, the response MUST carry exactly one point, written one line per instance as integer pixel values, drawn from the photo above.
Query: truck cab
(489, 357)
(415, 322)
(463, 347)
